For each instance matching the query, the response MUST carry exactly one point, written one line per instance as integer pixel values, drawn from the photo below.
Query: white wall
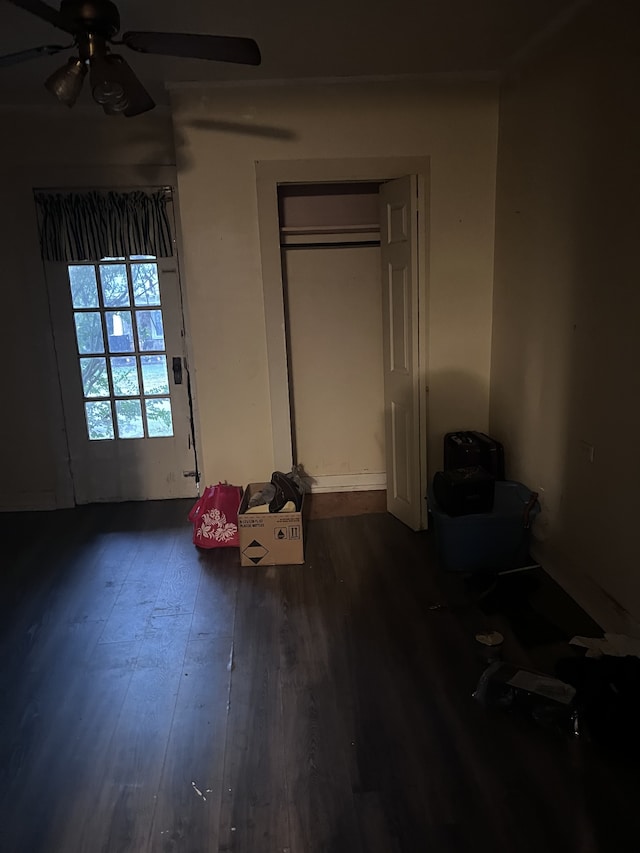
(455, 125)
(566, 300)
(53, 148)
(334, 300)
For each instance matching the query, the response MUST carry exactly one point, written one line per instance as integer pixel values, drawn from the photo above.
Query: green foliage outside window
(90, 331)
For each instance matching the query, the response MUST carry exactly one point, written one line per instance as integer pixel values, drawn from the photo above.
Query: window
(121, 348)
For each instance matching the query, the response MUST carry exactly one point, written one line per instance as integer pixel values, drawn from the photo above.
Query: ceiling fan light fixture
(66, 82)
(106, 89)
(117, 106)
(108, 92)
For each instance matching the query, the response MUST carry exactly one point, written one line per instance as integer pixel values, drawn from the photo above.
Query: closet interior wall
(330, 238)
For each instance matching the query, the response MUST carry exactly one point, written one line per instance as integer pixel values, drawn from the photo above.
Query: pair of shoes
(286, 490)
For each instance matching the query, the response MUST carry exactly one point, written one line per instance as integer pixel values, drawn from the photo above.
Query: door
(119, 336)
(399, 259)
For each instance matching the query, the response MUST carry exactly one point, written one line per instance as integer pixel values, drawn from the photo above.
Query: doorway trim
(270, 174)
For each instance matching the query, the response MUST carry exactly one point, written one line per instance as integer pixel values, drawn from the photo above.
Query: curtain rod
(92, 189)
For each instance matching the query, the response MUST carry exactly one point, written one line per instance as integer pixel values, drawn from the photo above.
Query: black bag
(471, 448)
(464, 490)
(608, 699)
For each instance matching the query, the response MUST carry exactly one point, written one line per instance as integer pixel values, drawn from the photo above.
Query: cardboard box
(269, 538)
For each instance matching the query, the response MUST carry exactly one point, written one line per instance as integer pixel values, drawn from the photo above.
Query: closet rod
(342, 245)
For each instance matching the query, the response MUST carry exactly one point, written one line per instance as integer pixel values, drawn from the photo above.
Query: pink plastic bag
(215, 517)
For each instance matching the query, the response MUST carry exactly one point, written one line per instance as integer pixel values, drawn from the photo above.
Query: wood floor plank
(214, 607)
(345, 723)
(62, 742)
(322, 814)
(131, 611)
(377, 835)
(340, 504)
(187, 813)
(118, 800)
(316, 704)
(178, 589)
(254, 813)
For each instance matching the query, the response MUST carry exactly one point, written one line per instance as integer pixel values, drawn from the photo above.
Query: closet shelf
(325, 236)
(330, 229)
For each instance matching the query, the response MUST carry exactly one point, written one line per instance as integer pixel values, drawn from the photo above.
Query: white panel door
(399, 257)
(119, 336)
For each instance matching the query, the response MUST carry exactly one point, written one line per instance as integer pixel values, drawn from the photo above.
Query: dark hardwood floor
(156, 698)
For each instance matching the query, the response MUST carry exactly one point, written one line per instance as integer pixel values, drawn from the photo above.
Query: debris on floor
(199, 792)
(491, 643)
(491, 638)
(541, 697)
(614, 645)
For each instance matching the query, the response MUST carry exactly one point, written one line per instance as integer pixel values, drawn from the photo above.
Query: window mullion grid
(105, 339)
(136, 339)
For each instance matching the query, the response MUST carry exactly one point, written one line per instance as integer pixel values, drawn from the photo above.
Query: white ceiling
(303, 38)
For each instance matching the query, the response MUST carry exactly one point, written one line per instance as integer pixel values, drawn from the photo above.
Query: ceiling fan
(93, 25)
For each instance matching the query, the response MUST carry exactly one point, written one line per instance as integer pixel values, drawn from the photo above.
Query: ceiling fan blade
(31, 53)
(137, 98)
(219, 48)
(46, 12)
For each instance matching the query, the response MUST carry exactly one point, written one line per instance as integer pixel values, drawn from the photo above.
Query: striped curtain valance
(93, 225)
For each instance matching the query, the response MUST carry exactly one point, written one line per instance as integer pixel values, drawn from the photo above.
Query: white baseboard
(347, 482)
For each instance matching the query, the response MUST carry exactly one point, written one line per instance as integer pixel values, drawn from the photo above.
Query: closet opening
(330, 248)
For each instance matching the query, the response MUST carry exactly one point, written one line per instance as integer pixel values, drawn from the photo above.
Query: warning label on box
(255, 552)
(287, 531)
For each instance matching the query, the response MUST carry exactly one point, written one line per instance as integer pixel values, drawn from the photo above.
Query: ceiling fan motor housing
(100, 17)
